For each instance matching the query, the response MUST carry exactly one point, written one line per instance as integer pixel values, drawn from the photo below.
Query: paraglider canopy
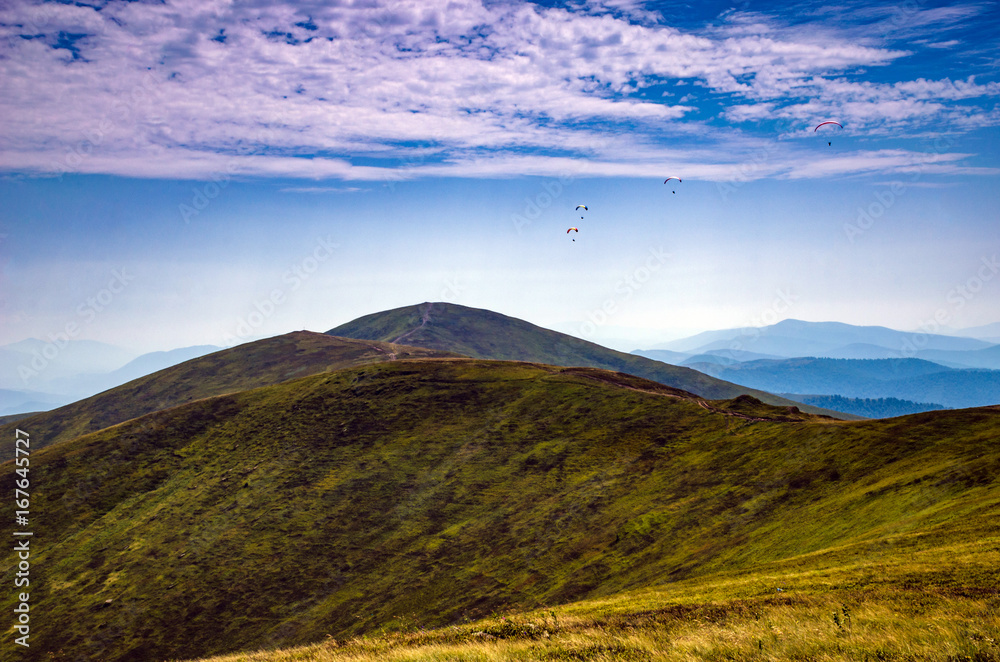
(572, 230)
(583, 207)
(824, 124)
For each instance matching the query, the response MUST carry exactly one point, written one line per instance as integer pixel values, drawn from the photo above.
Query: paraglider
(583, 207)
(824, 124)
(573, 230)
(669, 178)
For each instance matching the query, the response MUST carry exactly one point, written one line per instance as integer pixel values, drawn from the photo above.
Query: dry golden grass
(870, 621)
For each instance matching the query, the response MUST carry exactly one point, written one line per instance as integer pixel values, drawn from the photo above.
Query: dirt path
(391, 355)
(425, 318)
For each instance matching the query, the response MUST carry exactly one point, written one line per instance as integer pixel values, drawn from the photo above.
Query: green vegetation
(848, 617)
(483, 334)
(868, 407)
(13, 418)
(260, 363)
(432, 493)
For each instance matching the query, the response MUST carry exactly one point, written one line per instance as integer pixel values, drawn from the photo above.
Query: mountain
(74, 382)
(34, 364)
(860, 350)
(431, 491)
(11, 418)
(663, 355)
(988, 357)
(239, 368)
(987, 332)
(795, 338)
(488, 335)
(906, 379)
(16, 402)
(151, 362)
(867, 407)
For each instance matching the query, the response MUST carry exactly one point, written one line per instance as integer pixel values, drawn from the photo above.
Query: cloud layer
(391, 90)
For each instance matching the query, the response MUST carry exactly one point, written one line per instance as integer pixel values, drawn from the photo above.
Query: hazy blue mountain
(17, 402)
(723, 357)
(738, 355)
(45, 366)
(915, 380)
(30, 383)
(149, 363)
(867, 407)
(71, 356)
(708, 358)
(987, 332)
(664, 355)
(953, 388)
(792, 338)
(860, 350)
(988, 357)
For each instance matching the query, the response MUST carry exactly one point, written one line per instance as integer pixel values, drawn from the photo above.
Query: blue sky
(184, 173)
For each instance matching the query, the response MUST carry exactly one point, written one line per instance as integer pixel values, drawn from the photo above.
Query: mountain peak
(485, 334)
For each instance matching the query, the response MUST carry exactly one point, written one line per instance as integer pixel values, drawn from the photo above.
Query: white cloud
(323, 189)
(188, 89)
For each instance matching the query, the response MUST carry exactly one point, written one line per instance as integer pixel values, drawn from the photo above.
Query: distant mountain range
(867, 407)
(795, 338)
(907, 379)
(316, 488)
(17, 402)
(883, 370)
(272, 496)
(74, 374)
(486, 334)
(239, 368)
(38, 376)
(987, 332)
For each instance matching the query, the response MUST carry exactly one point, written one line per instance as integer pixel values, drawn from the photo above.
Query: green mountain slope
(239, 368)
(488, 335)
(431, 491)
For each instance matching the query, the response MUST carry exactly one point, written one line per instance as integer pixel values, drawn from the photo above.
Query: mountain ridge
(238, 368)
(334, 503)
(793, 338)
(486, 334)
(915, 380)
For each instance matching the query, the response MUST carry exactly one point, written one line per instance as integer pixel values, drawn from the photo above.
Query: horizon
(168, 175)
(61, 340)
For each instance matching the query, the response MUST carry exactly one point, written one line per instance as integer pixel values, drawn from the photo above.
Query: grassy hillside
(430, 492)
(830, 608)
(11, 418)
(239, 368)
(487, 335)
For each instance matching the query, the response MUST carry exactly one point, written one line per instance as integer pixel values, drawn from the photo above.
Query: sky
(181, 173)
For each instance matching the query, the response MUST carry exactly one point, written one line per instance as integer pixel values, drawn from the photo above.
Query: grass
(485, 334)
(841, 618)
(434, 493)
(240, 368)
